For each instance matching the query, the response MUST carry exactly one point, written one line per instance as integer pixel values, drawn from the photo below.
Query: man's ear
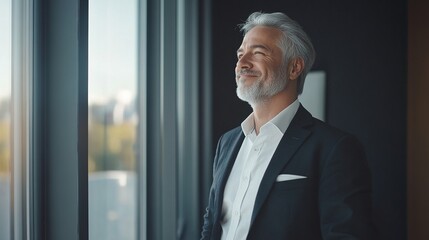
(295, 68)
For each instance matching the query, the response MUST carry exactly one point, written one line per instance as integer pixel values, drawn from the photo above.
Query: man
(284, 174)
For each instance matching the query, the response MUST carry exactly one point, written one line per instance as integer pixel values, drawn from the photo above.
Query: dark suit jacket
(332, 202)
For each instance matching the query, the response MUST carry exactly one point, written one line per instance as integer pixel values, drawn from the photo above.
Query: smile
(247, 73)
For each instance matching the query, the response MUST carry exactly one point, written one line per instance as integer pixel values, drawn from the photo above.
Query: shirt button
(236, 213)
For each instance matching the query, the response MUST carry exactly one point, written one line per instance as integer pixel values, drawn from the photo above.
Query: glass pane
(5, 116)
(113, 119)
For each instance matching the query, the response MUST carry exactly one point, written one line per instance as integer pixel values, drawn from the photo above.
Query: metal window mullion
(153, 134)
(168, 117)
(82, 122)
(61, 80)
(142, 104)
(161, 120)
(188, 131)
(206, 109)
(22, 84)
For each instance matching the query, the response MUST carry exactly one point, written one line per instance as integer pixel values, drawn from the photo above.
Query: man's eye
(259, 53)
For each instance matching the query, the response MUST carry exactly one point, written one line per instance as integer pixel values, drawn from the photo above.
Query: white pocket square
(288, 177)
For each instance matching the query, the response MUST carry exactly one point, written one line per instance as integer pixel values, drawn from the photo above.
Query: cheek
(276, 70)
(267, 68)
(270, 73)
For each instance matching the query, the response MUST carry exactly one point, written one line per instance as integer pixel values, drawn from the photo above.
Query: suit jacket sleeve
(208, 216)
(208, 219)
(344, 193)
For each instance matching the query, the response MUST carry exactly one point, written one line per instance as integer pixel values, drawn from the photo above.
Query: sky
(5, 48)
(112, 63)
(112, 49)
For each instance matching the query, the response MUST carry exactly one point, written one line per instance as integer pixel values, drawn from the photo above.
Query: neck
(266, 110)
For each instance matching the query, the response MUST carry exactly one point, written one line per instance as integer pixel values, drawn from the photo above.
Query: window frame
(59, 155)
(21, 121)
(169, 91)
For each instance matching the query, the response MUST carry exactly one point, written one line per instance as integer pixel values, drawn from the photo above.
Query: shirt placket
(245, 178)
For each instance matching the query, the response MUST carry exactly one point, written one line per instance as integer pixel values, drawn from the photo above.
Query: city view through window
(112, 123)
(113, 120)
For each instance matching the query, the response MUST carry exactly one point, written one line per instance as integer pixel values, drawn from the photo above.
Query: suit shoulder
(329, 132)
(319, 129)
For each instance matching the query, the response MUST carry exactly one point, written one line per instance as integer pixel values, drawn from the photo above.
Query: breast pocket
(302, 183)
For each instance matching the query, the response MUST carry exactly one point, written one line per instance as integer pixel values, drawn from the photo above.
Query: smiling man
(284, 174)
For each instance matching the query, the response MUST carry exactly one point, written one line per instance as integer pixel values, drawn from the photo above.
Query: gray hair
(294, 43)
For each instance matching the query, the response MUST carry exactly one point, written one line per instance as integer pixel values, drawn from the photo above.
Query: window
(113, 119)
(104, 104)
(5, 117)
(142, 188)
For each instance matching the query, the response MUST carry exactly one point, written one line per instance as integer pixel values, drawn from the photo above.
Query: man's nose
(244, 62)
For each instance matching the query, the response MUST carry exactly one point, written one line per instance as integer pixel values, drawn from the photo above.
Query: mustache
(247, 71)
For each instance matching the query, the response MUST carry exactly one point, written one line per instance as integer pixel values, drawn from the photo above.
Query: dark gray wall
(362, 47)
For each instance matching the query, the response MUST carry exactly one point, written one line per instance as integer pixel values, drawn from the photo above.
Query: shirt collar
(282, 120)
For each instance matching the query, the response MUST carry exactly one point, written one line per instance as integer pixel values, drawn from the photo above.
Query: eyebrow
(240, 50)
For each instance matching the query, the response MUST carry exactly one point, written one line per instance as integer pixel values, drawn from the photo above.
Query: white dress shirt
(250, 165)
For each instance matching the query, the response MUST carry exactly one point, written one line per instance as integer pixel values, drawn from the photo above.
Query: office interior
(60, 182)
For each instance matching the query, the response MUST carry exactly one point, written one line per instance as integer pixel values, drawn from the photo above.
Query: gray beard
(261, 91)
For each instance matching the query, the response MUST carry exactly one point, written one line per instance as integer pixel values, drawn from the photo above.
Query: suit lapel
(295, 135)
(231, 147)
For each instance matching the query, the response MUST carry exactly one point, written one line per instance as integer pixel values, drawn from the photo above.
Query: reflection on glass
(5, 116)
(113, 120)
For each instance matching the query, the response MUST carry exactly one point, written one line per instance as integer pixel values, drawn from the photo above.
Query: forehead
(261, 35)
